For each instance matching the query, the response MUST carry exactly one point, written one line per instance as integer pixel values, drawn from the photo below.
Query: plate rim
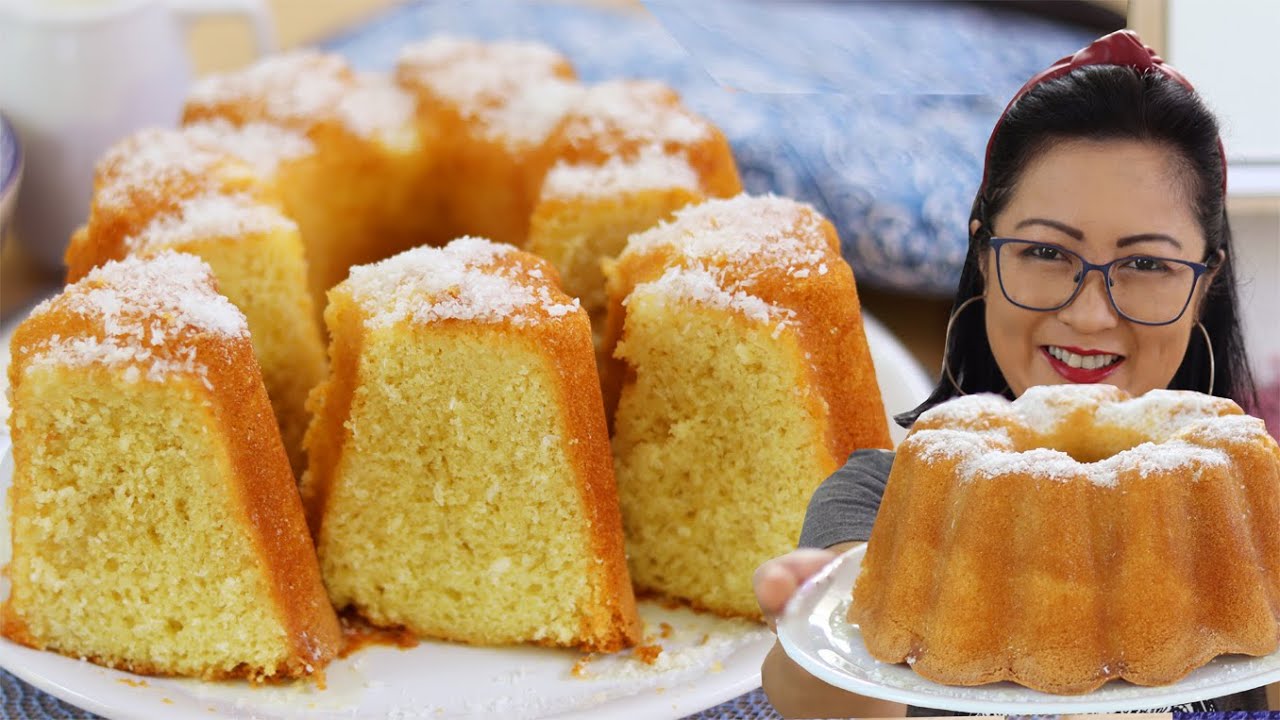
(830, 580)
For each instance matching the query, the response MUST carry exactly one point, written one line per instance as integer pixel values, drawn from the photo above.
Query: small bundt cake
(194, 193)
(748, 381)
(1075, 536)
(460, 480)
(156, 526)
(357, 196)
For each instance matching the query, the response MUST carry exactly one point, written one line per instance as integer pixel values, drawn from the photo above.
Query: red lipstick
(1080, 375)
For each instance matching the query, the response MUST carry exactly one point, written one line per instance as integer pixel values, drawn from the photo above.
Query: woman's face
(1104, 200)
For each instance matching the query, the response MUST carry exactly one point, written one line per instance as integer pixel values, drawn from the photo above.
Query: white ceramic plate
(705, 661)
(813, 632)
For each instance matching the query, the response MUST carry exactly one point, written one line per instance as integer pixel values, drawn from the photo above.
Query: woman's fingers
(776, 580)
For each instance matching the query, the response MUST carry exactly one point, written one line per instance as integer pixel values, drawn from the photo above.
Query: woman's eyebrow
(1078, 234)
(1147, 237)
(1060, 227)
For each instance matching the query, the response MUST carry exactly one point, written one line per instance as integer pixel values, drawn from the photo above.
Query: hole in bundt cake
(1088, 443)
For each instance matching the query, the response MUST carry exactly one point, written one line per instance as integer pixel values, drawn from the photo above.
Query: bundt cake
(193, 191)
(1074, 536)
(460, 480)
(747, 382)
(155, 524)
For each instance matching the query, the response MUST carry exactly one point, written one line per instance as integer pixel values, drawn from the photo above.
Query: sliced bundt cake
(196, 193)
(155, 524)
(460, 481)
(745, 381)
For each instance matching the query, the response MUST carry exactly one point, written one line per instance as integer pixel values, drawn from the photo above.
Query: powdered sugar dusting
(147, 308)
(634, 110)
(775, 231)
(1145, 460)
(972, 412)
(461, 281)
(651, 170)
(261, 145)
(516, 91)
(210, 217)
(1043, 407)
(1176, 423)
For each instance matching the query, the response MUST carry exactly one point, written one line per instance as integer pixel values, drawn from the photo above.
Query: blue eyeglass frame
(1105, 268)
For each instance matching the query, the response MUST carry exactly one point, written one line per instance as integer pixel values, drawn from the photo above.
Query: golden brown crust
(568, 348)
(273, 510)
(330, 406)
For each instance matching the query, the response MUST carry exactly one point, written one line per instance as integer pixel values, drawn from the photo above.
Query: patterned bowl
(10, 171)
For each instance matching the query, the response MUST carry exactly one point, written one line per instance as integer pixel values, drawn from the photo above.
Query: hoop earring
(946, 342)
(1209, 345)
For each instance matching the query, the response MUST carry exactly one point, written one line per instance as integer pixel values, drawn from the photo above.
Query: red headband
(1122, 47)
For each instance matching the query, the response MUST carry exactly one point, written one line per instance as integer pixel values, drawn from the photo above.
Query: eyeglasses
(1143, 289)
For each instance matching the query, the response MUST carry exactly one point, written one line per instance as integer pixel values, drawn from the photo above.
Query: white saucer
(813, 632)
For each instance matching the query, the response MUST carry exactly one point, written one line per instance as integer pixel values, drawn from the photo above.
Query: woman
(1107, 161)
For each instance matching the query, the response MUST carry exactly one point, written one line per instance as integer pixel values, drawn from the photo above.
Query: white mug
(78, 75)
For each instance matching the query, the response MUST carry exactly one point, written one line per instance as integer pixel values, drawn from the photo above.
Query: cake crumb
(579, 669)
(133, 683)
(666, 630)
(648, 654)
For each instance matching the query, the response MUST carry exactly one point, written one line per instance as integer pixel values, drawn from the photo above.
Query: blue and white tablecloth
(878, 113)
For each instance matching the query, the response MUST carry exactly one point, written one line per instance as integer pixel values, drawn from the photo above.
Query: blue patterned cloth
(876, 112)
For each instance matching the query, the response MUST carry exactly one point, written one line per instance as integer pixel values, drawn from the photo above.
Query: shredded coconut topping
(701, 286)
(261, 145)
(210, 217)
(640, 110)
(517, 91)
(149, 310)
(774, 231)
(305, 87)
(651, 170)
(464, 280)
(147, 163)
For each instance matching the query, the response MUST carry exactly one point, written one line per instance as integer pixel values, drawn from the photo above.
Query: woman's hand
(778, 579)
(793, 692)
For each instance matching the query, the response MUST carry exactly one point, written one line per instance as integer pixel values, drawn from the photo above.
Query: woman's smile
(1078, 365)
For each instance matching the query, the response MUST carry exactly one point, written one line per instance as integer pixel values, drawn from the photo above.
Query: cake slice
(156, 527)
(745, 381)
(194, 190)
(460, 480)
(587, 211)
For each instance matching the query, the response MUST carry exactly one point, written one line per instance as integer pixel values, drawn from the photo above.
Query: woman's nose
(1091, 310)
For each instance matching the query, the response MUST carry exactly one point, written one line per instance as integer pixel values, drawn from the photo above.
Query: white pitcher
(78, 75)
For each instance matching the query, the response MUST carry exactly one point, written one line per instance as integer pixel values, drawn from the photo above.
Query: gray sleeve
(844, 506)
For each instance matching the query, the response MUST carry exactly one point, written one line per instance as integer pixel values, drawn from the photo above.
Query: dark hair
(1102, 102)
